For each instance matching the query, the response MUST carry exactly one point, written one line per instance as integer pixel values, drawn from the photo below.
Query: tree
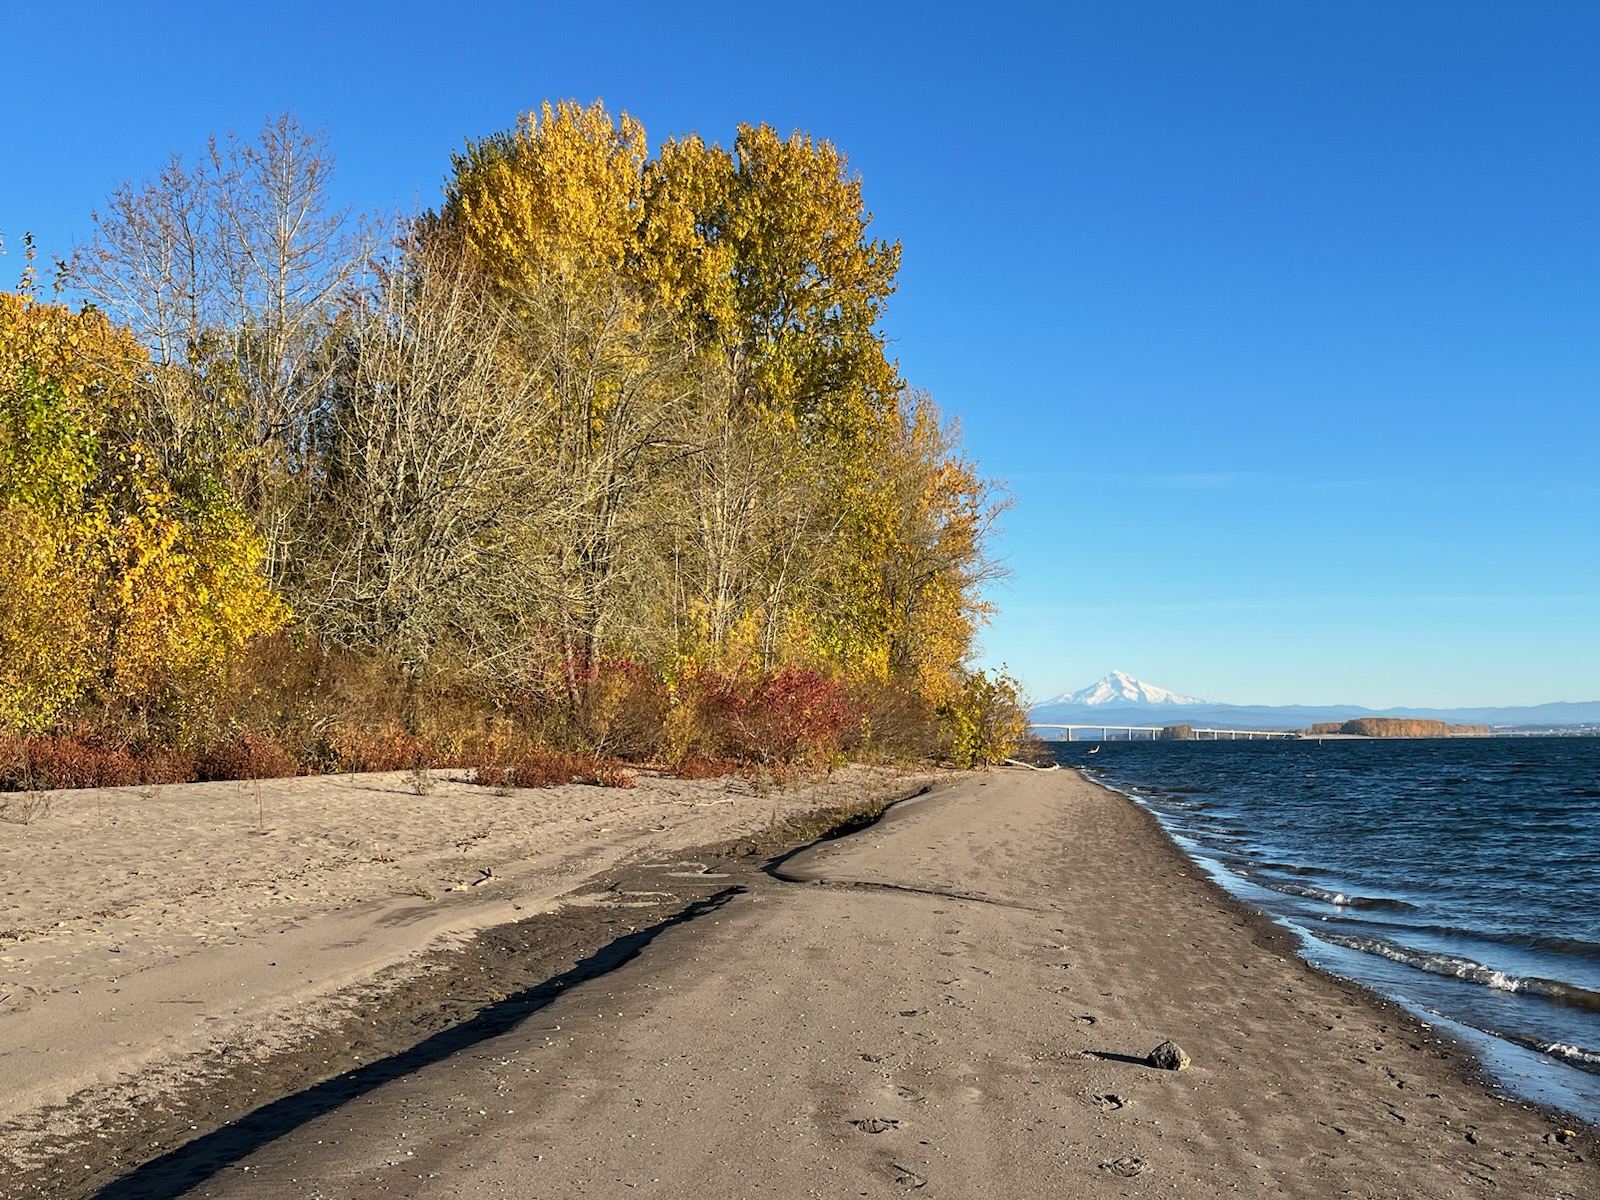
(764, 252)
(986, 719)
(550, 211)
(557, 195)
(765, 249)
(936, 561)
(124, 588)
(429, 487)
(229, 272)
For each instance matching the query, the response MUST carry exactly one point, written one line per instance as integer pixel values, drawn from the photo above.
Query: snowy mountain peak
(1121, 688)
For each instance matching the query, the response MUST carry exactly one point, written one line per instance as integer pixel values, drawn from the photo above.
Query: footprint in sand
(907, 1178)
(1127, 1167)
(876, 1124)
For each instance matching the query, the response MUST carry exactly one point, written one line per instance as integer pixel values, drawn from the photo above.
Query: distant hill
(1116, 700)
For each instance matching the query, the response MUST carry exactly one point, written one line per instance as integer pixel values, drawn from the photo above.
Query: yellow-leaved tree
(120, 589)
(550, 212)
(763, 251)
(752, 485)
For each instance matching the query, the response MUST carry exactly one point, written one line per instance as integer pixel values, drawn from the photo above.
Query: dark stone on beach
(1169, 1056)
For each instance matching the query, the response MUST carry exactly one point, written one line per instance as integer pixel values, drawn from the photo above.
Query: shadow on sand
(194, 1162)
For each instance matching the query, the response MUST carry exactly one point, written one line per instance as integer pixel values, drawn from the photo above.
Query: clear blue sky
(1280, 317)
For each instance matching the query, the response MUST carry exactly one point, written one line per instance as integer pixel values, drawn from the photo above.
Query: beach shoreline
(962, 991)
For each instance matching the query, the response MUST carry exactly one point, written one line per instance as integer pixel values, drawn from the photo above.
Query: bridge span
(1152, 733)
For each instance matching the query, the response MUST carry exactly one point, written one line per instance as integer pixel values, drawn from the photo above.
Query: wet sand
(955, 1002)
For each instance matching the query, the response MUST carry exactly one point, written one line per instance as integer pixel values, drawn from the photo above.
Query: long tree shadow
(194, 1162)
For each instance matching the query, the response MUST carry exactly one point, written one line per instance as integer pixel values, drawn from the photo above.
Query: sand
(142, 926)
(955, 1002)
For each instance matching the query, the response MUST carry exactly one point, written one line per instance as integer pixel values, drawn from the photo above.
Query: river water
(1458, 876)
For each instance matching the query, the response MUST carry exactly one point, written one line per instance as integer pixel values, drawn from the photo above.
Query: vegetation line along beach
(602, 458)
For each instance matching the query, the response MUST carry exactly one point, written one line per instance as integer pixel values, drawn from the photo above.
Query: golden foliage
(116, 588)
(986, 721)
(559, 195)
(602, 406)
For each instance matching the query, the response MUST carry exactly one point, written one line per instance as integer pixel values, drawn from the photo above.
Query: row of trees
(602, 411)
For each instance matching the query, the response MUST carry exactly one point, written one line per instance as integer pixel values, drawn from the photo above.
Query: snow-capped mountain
(1120, 689)
(1120, 699)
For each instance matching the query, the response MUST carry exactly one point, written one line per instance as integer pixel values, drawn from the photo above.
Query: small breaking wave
(1574, 1056)
(1452, 966)
(1542, 942)
(1338, 899)
(1292, 868)
(1589, 1060)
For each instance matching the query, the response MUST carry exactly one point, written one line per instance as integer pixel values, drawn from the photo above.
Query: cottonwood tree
(764, 251)
(615, 395)
(937, 563)
(550, 210)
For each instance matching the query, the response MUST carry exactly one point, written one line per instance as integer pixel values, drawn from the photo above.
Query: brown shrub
(65, 761)
(166, 765)
(624, 710)
(389, 748)
(57, 761)
(696, 767)
(897, 724)
(532, 767)
(336, 709)
(791, 716)
(246, 755)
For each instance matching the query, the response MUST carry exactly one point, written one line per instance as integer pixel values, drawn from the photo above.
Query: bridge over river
(1140, 733)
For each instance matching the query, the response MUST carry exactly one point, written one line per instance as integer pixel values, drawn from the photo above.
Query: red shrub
(390, 748)
(246, 755)
(43, 763)
(56, 761)
(697, 767)
(794, 715)
(531, 767)
(166, 766)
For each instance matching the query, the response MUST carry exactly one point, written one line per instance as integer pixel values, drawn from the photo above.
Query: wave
(1451, 965)
(1589, 1060)
(1544, 943)
(1574, 947)
(1574, 1056)
(1338, 899)
(1224, 833)
(1292, 868)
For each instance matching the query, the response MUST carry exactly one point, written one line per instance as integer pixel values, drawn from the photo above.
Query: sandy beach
(355, 991)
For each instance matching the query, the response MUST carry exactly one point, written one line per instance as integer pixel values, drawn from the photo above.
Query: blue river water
(1460, 876)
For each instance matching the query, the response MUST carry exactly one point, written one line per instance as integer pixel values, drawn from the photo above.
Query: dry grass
(24, 808)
